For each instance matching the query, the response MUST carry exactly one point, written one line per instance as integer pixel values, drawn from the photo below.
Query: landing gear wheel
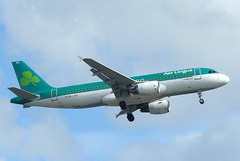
(201, 101)
(123, 105)
(130, 117)
(200, 97)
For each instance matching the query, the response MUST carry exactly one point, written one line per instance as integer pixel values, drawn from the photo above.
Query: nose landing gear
(201, 101)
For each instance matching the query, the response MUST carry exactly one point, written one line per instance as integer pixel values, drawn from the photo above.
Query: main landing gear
(130, 117)
(123, 105)
(127, 110)
(200, 97)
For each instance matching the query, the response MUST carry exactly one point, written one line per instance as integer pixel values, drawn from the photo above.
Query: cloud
(47, 137)
(215, 143)
(152, 35)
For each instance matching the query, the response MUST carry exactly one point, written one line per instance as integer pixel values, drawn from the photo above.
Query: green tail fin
(28, 79)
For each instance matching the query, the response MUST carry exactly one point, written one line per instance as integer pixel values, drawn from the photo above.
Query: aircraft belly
(44, 103)
(83, 100)
(139, 99)
(88, 100)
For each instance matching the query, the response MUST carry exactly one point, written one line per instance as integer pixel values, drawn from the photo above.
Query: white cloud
(156, 34)
(47, 137)
(215, 143)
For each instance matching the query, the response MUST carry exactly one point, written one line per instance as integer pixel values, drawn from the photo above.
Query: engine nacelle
(148, 88)
(157, 107)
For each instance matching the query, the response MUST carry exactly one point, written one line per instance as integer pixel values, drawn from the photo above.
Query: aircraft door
(197, 74)
(54, 95)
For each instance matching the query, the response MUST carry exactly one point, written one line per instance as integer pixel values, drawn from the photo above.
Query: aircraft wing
(109, 76)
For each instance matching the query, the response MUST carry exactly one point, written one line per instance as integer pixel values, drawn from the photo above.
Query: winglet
(24, 94)
(81, 58)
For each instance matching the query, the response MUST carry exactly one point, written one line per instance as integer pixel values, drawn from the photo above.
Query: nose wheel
(201, 101)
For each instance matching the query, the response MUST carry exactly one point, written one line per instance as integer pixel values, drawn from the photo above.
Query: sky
(134, 38)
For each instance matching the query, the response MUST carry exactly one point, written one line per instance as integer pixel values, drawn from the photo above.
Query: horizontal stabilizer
(24, 94)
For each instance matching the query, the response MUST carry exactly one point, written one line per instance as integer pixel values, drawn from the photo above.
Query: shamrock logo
(28, 78)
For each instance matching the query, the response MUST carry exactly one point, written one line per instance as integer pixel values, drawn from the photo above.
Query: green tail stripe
(28, 79)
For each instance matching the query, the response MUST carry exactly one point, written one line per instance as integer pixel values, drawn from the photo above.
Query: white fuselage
(106, 97)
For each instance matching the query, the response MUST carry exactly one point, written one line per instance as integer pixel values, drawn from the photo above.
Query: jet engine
(148, 88)
(157, 107)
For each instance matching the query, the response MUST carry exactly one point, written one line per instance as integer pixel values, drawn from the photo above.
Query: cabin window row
(86, 89)
(169, 77)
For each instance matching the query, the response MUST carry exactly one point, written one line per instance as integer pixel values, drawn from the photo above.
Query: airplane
(144, 93)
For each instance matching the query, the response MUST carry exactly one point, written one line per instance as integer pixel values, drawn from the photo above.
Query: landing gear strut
(200, 97)
(123, 105)
(130, 117)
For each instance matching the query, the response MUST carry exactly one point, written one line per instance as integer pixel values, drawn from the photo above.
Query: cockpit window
(212, 71)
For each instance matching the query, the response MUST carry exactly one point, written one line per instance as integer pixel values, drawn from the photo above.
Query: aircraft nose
(225, 79)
